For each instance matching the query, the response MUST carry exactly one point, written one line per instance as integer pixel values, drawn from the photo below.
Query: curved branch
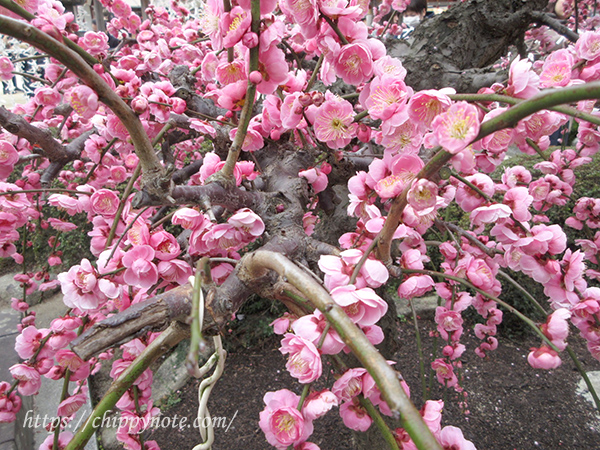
(544, 100)
(256, 264)
(149, 161)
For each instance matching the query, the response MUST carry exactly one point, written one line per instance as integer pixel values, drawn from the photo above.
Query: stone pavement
(25, 433)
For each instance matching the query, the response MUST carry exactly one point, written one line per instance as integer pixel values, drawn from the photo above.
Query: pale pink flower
(444, 373)
(28, 378)
(80, 287)
(350, 384)
(83, 100)
(273, 68)
(467, 198)
(303, 12)
(363, 306)
(449, 323)
(338, 270)
(424, 106)
(28, 342)
(311, 328)
(456, 127)
(80, 369)
(543, 358)
(389, 177)
(8, 158)
(63, 440)
(165, 245)
(64, 202)
(60, 225)
(96, 44)
(105, 202)
(317, 404)
(47, 96)
(522, 81)
(386, 98)
(556, 327)
(404, 138)
(354, 63)
(333, 122)
(141, 271)
(519, 200)
(282, 325)
(452, 438)
(71, 405)
(355, 416)
(189, 218)
(281, 421)
(248, 221)
(233, 25)
(6, 65)
(588, 45)
(489, 214)
(304, 362)
(480, 274)
(422, 195)
(9, 405)
(415, 286)
(555, 74)
(317, 176)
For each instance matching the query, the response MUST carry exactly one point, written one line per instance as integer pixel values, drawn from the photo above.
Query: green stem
(511, 308)
(537, 148)
(128, 190)
(167, 340)
(568, 110)
(385, 431)
(247, 110)
(419, 350)
(585, 377)
(335, 28)
(313, 76)
(256, 264)
(63, 396)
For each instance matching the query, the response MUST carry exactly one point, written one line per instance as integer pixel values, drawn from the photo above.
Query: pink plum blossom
(141, 271)
(456, 127)
(83, 100)
(304, 362)
(363, 306)
(281, 421)
(80, 287)
(9, 404)
(333, 122)
(543, 358)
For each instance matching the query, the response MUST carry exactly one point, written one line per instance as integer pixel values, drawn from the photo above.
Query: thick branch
(15, 124)
(151, 315)
(232, 199)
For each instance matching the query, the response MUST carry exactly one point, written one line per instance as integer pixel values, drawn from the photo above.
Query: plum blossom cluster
(136, 255)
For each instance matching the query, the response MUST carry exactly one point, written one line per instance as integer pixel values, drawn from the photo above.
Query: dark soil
(512, 406)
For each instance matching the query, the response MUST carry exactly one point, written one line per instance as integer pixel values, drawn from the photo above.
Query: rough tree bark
(458, 47)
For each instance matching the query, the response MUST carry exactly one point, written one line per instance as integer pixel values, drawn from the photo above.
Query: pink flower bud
(255, 77)
(139, 104)
(363, 132)
(250, 39)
